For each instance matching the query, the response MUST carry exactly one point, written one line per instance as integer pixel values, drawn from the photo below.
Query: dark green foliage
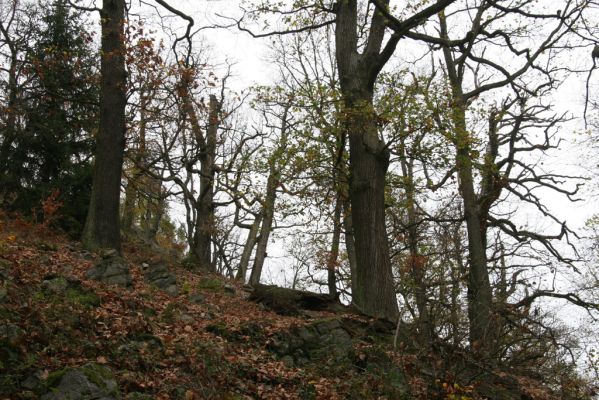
(57, 117)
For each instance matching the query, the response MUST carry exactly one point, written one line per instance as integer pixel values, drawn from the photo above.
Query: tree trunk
(7, 179)
(374, 291)
(275, 167)
(480, 295)
(132, 191)
(102, 226)
(129, 205)
(205, 228)
(334, 253)
(349, 243)
(416, 260)
(248, 248)
(267, 216)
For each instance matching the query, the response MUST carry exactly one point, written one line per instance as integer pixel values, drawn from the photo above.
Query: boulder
(89, 382)
(111, 270)
(158, 275)
(197, 298)
(327, 339)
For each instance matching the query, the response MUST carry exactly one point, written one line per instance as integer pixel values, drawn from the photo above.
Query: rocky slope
(144, 327)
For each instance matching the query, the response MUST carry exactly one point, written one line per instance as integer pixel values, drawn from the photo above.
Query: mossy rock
(88, 382)
(210, 284)
(56, 289)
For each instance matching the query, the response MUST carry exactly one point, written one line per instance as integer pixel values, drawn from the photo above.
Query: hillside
(63, 334)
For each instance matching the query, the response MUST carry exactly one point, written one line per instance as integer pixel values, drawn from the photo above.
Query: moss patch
(210, 284)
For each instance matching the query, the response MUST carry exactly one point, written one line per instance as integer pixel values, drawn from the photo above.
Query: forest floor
(209, 341)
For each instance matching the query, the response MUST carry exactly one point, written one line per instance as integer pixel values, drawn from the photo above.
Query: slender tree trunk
(132, 190)
(204, 229)
(334, 253)
(480, 295)
(267, 220)
(417, 261)
(102, 226)
(268, 206)
(129, 205)
(349, 243)
(248, 248)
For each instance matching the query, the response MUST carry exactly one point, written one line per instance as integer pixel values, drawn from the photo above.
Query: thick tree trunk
(374, 291)
(102, 226)
(250, 243)
(204, 229)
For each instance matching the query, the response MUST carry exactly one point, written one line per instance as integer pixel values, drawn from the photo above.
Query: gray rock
(322, 340)
(33, 382)
(111, 270)
(89, 382)
(109, 253)
(158, 275)
(306, 334)
(197, 298)
(229, 288)
(327, 326)
(186, 318)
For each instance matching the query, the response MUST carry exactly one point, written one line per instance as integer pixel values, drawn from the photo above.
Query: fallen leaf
(102, 360)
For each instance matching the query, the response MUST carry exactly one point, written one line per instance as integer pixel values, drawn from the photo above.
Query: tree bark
(334, 253)
(267, 220)
(248, 248)
(102, 226)
(268, 206)
(10, 129)
(374, 290)
(416, 260)
(349, 242)
(480, 295)
(204, 229)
